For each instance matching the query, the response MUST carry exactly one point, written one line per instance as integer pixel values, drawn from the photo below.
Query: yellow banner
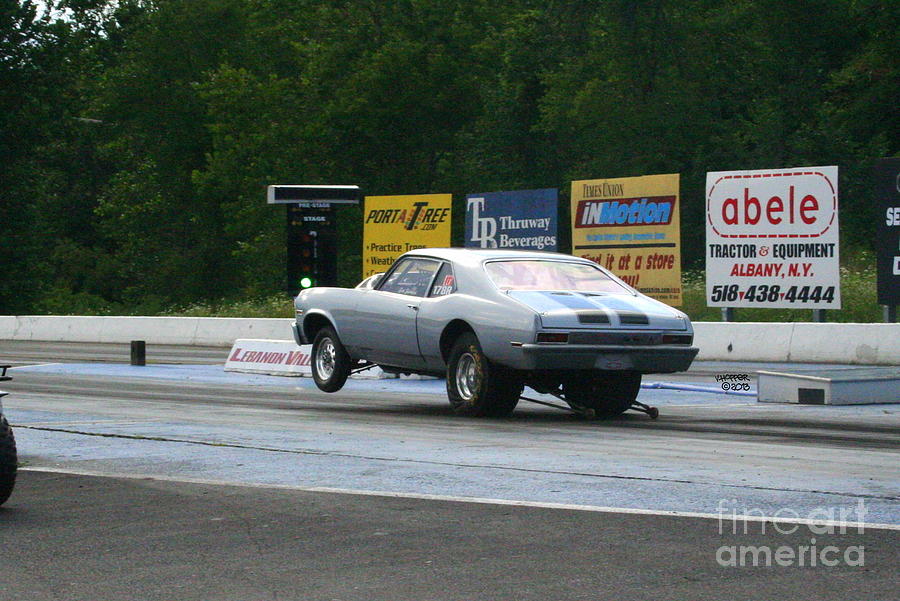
(393, 225)
(630, 225)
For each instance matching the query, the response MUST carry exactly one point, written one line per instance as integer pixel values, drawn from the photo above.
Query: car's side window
(444, 283)
(412, 276)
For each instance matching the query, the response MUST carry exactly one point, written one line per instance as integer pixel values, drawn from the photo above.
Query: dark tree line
(137, 136)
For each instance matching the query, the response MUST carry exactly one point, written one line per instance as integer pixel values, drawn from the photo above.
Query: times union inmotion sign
(631, 226)
(772, 238)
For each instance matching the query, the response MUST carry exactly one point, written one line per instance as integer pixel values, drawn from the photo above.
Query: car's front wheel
(8, 460)
(475, 386)
(330, 362)
(608, 393)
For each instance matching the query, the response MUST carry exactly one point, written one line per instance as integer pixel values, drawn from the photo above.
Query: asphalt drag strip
(87, 537)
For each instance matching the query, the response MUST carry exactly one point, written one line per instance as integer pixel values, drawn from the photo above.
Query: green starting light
(306, 282)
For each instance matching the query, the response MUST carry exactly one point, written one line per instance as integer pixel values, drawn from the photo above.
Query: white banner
(277, 357)
(285, 358)
(772, 238)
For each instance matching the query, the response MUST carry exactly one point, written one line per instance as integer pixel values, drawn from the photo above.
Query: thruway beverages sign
(772, 238)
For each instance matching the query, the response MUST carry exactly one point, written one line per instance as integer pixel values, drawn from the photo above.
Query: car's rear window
(550, 275)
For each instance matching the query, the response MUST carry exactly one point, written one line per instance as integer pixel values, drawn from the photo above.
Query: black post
(138, 352)
(819, 315)
(890, 313)
(728, 313)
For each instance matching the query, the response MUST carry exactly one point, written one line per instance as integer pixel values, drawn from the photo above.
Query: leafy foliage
(137, 136)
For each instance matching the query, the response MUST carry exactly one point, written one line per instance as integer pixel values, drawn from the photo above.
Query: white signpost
(772, 238)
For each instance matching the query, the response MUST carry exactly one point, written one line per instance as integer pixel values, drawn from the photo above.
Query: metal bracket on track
(364, 367)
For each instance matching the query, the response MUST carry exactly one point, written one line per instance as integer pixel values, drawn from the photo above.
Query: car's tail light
(677, 339)
(553, 337)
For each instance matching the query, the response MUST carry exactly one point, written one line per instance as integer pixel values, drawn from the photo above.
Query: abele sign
(772, 238)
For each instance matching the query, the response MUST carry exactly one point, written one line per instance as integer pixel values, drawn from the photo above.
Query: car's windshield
(550, 275)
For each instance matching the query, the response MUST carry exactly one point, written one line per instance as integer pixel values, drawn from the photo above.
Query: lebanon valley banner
(519, 220)
(394, 225)
(630, 225)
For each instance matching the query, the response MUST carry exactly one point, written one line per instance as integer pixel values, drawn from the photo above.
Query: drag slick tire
(8, 460)
(608, 393)
(330, 362)
(477, 387)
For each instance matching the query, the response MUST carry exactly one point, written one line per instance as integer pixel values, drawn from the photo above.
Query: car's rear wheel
(477, 387)
(8, 460)
(330, 362)
(608, 393)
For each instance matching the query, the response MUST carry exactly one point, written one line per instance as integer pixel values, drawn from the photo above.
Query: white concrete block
(831, 386)
(729, 341)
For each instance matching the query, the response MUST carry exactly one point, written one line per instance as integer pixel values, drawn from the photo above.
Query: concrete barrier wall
(718, 341)
(195, 331)
(866, 343)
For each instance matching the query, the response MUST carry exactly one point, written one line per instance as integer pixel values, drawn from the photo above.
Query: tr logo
(483, 228)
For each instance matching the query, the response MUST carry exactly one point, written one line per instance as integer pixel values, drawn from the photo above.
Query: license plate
(613, 362)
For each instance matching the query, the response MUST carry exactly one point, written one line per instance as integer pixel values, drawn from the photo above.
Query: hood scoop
(575, 310)
(633, 318)
(592, 317)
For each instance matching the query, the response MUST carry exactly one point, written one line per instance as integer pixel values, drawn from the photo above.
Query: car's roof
(479, 255)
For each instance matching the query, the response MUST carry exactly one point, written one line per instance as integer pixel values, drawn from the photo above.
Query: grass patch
(278, 305)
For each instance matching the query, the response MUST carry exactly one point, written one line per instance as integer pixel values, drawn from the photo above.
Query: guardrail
(193, 331)
(862, 343)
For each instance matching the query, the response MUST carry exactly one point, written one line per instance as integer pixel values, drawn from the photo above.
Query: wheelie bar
(589, 413)
(362, 368)
(576, 409)
(653, 412)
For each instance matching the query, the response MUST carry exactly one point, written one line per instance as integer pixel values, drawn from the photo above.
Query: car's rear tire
(477, 387)
(8, 460)
(330, 362)
(608, 393)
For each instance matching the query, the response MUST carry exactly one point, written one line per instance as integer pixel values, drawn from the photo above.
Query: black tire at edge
(8, 460)
(608, 393)
(342, 362)
(500, 389)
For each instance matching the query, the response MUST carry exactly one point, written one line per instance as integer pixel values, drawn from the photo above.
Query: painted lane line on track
(231, 445)
(480, 500)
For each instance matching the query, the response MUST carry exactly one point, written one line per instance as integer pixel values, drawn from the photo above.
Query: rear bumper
(645, 359)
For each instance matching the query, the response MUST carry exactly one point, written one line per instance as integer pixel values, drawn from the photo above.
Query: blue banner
(519, 220)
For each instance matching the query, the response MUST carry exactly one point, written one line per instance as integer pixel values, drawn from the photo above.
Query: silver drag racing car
(494, 321)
